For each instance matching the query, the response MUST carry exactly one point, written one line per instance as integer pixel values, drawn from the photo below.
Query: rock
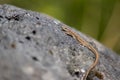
(33, 46)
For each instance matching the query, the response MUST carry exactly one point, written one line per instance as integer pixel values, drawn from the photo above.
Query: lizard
(76, 36)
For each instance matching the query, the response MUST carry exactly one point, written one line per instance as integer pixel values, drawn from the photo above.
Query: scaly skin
(85, 44)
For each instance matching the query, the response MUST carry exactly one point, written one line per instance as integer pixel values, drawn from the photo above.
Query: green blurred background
(97, 18)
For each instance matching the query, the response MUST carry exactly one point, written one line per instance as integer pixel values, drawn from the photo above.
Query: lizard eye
(64, 28)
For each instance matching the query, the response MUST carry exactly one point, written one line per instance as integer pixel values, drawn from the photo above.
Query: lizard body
(85, 44)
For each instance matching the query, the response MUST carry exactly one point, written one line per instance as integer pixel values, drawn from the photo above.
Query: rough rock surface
(34, 47)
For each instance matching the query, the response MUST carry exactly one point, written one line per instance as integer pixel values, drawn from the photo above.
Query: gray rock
(33, 46)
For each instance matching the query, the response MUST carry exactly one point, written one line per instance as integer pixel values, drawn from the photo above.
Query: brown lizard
(85, 44)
